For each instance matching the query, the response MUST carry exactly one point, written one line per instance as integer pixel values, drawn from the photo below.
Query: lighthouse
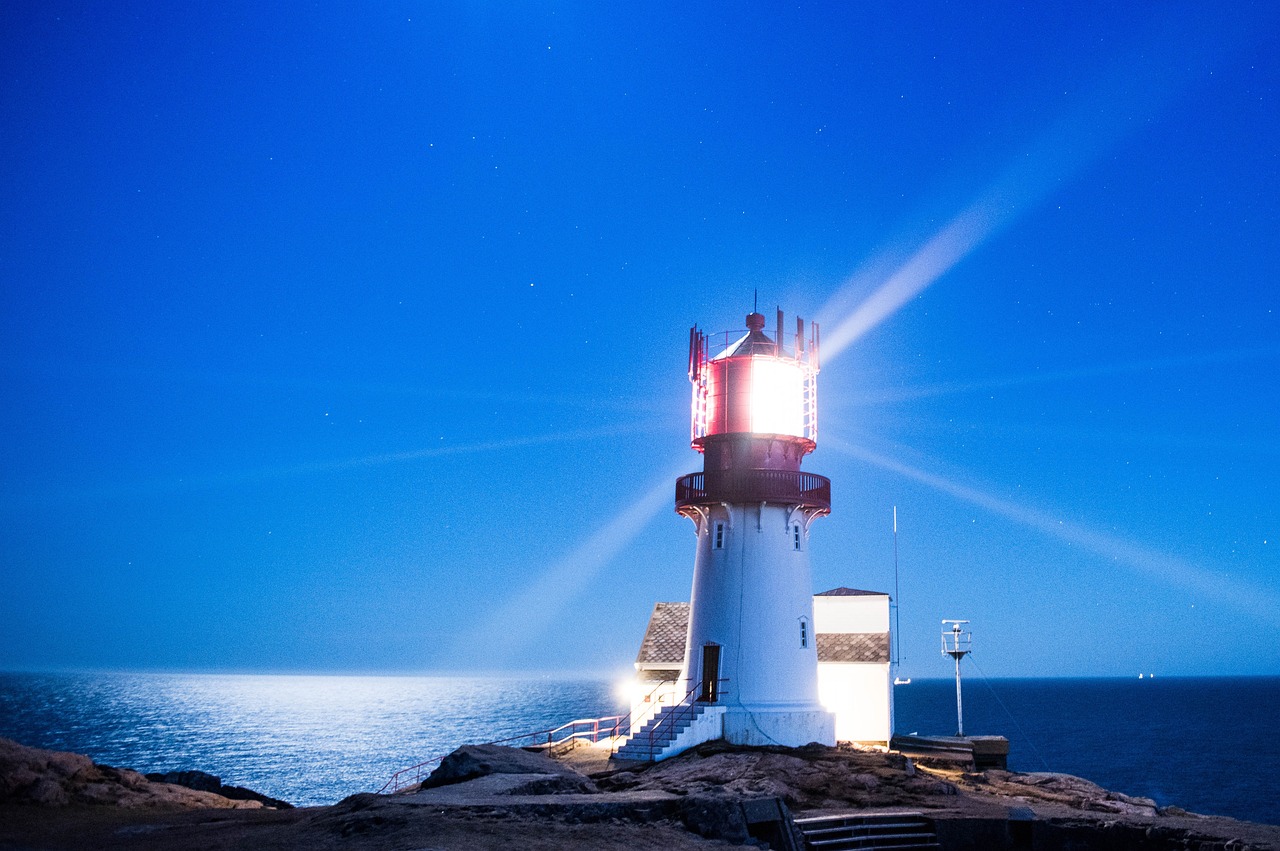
(751, 649)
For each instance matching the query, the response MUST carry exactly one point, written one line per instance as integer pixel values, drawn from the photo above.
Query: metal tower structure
(957, 642)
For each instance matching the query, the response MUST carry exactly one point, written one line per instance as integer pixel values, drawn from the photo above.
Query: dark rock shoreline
(204, 782)
(57, 779)
(715, 796)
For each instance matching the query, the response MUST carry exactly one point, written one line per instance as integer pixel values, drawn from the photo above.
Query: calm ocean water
(1208, 745)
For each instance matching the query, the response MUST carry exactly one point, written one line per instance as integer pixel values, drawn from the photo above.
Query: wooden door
(710, 673)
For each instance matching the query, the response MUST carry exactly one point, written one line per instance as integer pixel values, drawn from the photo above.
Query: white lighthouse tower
(751, 646)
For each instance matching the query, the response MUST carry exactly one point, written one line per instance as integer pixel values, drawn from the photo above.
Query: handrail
(593, 734)
(686, 703)
(654, 708)
(647, 697)
(787, 486)
(396, 782)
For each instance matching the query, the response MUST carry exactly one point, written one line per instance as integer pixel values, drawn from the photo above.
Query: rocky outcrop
(813, 777)
(540, 775)
(57, 779)
(204, 782)
(990, 810)
(715, 796)
(1065, 789)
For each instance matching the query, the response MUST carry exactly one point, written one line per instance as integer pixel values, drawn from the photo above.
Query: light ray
(1050, 377)
(1091, 124)
(162, 487)
(517, 623)
(327, 387)
(1247, 598)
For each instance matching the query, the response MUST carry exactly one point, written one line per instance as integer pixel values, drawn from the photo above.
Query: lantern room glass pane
(777, 397)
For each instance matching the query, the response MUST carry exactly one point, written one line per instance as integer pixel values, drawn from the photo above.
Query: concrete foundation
(743, 726)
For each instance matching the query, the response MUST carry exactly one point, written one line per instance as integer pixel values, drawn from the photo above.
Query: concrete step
(645, 744)
(874, 843)
(869, 832)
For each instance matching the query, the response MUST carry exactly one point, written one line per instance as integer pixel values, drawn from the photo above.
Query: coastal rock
(715, 817)
(204, 782)
(694, 801)
(472, 761)
(47, 793)
(1071, 791)
(198, 780)
(554, 784)
(57, 779)
(812, 777)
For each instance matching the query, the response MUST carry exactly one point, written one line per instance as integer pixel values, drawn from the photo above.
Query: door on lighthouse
(710, 673)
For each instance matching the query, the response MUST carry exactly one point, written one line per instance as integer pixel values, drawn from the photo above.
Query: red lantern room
(755, 416)
(755, 385)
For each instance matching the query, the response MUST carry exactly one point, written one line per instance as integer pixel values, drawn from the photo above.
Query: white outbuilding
(855, 682)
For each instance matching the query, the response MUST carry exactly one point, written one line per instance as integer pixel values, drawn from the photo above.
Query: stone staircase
(668, 734)
(868, 832)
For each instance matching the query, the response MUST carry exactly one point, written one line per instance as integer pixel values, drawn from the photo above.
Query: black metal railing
(682, 710)
(793, 487)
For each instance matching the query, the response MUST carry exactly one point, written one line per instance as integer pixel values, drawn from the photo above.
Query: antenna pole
(959, 702)
(957, 643)
(897, 604)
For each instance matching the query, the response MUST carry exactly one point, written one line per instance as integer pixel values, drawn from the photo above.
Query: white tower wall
(752, 597)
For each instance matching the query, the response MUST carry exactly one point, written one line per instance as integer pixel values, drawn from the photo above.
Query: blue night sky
(353, 337)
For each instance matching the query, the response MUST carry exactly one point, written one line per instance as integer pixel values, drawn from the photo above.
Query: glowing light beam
(1247, 598)
(161, 487)
(523, 618)
(1123, 101)
(1146, 365)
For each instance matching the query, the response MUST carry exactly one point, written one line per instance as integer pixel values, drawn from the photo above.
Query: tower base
(789, 728)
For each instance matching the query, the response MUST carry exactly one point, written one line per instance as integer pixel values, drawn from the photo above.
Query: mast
(897, 631)
(957, 643)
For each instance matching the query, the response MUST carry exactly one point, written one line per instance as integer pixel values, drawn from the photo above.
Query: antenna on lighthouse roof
(755, 300)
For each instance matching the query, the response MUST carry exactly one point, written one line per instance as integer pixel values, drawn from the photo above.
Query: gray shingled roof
(663, 644)
(850, 592)
(664, 639)
(853, 647)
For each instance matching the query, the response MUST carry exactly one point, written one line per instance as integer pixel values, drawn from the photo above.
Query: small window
(795, 534)
(804, 633)
(719, 539)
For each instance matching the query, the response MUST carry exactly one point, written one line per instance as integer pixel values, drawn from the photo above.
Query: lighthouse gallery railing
(785, 486)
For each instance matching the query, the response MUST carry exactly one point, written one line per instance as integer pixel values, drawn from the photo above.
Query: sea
(1209, 745)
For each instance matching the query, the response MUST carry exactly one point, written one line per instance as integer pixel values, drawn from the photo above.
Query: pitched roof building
(851, 627)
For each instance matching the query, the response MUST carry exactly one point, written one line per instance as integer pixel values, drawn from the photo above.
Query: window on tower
(804, 633)
(718, 541)
(795, 533)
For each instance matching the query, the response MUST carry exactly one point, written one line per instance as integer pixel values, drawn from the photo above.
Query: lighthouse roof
(664, 640)
(754, 342)
(662, 650)
(853, 647)
(850, 592)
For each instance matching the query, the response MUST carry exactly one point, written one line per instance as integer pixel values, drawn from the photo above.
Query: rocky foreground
(493, 797)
